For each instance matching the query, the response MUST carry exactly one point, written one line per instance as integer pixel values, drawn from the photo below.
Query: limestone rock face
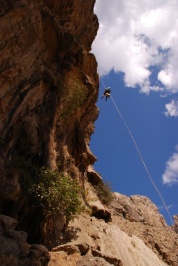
(139, 209)
(136, 235)
(48, 79)
(137, 215)
(175, 227)
(48, 94)
(14, 249)
(108, 242)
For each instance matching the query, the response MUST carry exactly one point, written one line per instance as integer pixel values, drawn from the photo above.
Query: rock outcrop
(14, 249)
(48, 93)
(175, 226)
(136, 235)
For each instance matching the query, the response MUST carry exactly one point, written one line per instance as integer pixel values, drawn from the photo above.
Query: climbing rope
(141, 157)
(103, 83)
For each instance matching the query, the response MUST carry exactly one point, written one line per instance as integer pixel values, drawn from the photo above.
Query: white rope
(141, 158)
(103, 84)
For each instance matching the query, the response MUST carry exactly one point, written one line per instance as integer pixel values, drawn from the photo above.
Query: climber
(106, 93)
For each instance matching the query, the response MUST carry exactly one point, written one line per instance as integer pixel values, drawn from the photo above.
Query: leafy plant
(53, 191)
(58, 192)
(104, 192)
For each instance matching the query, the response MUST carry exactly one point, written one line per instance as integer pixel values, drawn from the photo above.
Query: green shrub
(57, 192)
(53, 191)
(104, 192)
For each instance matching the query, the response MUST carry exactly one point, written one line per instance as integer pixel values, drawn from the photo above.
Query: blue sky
(140, 65)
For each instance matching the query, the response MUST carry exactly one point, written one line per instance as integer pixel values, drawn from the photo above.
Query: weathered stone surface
(137, 215)
(63, 259)
(69, 249)
(39, 251)
(111, 259)
(139, 209)
(100, 211)
(175, 227)
(83, 248)
(93, 261)
(14, 249)
(37, 87)
(8, 222)
(93, 177)
(110, 245)
(130, 238)
(48, 93)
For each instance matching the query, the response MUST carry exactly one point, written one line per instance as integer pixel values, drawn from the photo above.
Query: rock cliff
(49, 88)
(48, 93)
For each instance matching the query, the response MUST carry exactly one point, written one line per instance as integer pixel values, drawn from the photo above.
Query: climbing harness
(141, 157)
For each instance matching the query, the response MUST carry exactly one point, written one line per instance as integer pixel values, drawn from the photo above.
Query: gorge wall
(48, 93)
(49, 88)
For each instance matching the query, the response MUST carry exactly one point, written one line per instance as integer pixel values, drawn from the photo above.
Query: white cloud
(135, 35)
(172, 108)
(170, 175)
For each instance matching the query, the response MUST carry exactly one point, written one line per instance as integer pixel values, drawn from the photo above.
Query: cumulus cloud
(172, 108)
(170, 175)
(135, 36)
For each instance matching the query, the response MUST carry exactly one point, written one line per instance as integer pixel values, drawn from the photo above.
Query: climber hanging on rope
(106, 93)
